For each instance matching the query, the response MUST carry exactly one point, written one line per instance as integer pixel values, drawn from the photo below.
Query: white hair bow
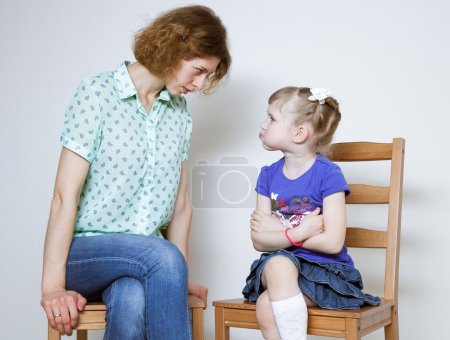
(319, 94)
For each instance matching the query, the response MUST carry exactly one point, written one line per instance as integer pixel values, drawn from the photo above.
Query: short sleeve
(187, 139)
(262, 184)
(82, 124)
(188, 128)
(334, 181)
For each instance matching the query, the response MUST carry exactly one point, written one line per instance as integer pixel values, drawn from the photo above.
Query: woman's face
(191, 75)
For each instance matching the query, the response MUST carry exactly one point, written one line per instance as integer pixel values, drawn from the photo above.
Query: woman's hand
(199, 291)
(261, 221)
(310, 226)
(62, 309)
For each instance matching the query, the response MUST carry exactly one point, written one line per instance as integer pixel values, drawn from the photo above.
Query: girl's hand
(261, 221)
(198, 290)
(62, 308)
(311, 225)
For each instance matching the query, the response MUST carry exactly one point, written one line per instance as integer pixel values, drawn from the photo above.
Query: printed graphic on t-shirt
(291, 213)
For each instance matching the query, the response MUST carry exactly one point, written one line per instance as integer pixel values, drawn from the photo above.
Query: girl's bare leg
(288, 307)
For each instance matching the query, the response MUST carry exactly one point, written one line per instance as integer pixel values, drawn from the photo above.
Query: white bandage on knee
(291, 316)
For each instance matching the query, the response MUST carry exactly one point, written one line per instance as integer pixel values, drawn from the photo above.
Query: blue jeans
(141, 279)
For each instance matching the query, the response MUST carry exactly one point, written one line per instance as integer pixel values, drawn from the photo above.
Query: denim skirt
(329, 285)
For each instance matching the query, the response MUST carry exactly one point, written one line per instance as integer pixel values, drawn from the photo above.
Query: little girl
(305, 261)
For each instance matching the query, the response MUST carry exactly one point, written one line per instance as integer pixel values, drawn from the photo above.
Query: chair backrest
(369, 194)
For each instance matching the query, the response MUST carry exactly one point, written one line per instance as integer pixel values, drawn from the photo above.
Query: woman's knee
(125, 294)
(125, 314)
(171, 262)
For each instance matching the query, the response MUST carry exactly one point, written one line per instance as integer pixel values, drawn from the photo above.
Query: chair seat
(195, 302)
(241, 313)
(95, 306)
(93, 317)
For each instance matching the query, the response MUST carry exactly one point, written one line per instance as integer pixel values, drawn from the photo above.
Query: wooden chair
(93, 317)
(349, 324)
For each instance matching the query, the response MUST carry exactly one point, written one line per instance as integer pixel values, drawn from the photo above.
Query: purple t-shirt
(292, 199)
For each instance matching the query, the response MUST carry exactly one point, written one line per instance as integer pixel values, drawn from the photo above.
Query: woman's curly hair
(183, 33)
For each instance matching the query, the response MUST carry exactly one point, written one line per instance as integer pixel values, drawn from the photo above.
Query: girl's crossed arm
(267, 232)
(323, 233)
(331, 240)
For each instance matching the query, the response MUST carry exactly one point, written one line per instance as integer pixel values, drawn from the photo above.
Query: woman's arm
(332, 239)
(70, 178)
(268, 234)
(180, 226)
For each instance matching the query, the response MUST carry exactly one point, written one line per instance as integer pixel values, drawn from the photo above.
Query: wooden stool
(93, 317)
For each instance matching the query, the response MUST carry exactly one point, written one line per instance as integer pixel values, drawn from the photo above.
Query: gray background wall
(386, 61)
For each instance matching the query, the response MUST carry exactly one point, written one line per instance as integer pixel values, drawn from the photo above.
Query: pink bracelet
(297, 244)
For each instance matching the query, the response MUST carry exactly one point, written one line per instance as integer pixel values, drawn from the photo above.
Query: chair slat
(360, 151)
(367, 194)
(365, 238)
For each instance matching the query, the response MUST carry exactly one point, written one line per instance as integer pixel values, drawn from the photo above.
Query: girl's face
(276, 130)
(191, 75)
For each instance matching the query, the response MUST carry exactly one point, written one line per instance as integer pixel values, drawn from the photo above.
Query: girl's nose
(264, 125)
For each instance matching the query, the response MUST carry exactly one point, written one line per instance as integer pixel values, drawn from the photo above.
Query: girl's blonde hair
(183, 33)
(324, 118)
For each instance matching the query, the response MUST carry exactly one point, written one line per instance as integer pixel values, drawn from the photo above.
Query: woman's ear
(300, 134)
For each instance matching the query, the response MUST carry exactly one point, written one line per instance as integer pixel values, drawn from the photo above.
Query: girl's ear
(300, 134)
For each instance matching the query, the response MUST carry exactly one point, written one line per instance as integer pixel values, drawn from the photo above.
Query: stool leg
(82, 334)
(352, 329)
(53, 334)
(221, 331)
(391, 331)
(197, 324)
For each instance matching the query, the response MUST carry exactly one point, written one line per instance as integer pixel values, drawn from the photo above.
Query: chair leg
(221, 331)
(352, 329)
(53, 334)
(82, 334)
(391, 331)
(197, 324)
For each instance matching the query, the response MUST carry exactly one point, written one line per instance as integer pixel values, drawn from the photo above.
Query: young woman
(122, 178)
